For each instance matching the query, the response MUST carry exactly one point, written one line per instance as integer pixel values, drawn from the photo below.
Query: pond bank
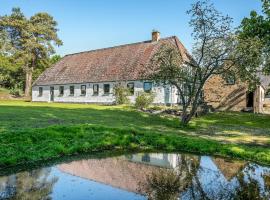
(54, 142)
(38, 132)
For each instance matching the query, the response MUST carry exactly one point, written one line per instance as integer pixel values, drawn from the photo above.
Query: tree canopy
(217, 50)
(32, 41)
(256, 27)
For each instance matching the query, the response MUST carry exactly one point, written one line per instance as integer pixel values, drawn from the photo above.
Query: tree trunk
(185, 117)
(28, 82)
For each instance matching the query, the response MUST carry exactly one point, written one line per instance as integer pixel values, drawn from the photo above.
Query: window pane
(130, 86)
(230, 80)
(71, 88)
(147, 86)
(95, 89)
(83, 90)
(61, 90)
(267, 94)
(40, 91)
(106, 88)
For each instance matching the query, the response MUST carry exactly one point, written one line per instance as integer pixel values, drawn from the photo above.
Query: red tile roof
(117, 63)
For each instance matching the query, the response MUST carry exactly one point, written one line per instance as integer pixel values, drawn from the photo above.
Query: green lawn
(33, 132)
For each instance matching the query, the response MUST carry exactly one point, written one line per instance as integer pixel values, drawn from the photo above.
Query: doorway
(167, 95)
(51, 93)
(250, 99)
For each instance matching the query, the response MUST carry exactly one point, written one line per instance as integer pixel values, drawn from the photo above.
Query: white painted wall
(158, 90)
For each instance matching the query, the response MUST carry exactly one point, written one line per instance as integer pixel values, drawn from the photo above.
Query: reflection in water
(27, 185)
(141, 176)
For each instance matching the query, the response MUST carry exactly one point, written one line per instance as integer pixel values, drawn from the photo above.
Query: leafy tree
(121, 94)
(257, 27)
(215, 52)
(32, 39)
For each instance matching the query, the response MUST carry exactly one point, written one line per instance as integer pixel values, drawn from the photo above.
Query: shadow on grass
(21, 117)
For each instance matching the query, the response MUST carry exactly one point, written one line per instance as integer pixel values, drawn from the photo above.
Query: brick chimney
(155, 36)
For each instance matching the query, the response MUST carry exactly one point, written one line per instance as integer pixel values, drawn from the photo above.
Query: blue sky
(91, 24)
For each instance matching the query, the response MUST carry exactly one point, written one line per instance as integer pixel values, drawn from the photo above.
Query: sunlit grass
(30, 132)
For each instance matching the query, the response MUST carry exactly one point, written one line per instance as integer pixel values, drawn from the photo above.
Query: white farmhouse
(89, 77)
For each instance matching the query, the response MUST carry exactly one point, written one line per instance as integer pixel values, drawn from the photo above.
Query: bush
(15, 92)
(144, 100)
(121, 94)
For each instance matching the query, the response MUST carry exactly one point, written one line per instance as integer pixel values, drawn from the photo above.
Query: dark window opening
(267, 94)
(147, 86)
(71, 90)
(230, 80)
(61, 90)
(130, 87)
(40, 91)
(83, 90)
(95, 89)
(250, 99)
(146, 158)
(106, 88)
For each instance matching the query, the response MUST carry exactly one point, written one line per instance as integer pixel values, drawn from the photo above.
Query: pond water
(134, 177)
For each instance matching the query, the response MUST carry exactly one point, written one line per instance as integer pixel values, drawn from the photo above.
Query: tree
(257, 27)
(121, 94)
(32, 39)
(215, 52)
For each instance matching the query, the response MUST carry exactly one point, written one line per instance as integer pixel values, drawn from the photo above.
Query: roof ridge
(117, 46)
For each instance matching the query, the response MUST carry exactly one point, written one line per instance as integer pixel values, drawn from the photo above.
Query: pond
(138, 176)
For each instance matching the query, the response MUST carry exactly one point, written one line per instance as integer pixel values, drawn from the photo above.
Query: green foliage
(54, 59)
(121, 94)
(32, 41)
(144, 100)
(256, 27)
(15, 92)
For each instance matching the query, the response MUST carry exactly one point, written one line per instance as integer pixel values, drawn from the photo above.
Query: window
(106, 88)
(40, 91)
(130, 87)
(267, 94)
(147, 86)
(95, 89)
(61, 91)
(146, 158)
(186, 89)
(230, 80)
(83, 90)
(71, 90)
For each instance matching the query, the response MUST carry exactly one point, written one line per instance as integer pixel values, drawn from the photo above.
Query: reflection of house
(127, 173)
(155, 159)
(228, 168)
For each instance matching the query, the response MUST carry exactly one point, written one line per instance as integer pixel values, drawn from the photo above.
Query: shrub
(15, 92)
(121, 94)
(144, 100)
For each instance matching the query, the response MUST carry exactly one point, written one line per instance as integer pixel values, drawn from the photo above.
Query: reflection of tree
(28, 185)
(266, 178)
(188, 180)
(249, 188)
(167, 184)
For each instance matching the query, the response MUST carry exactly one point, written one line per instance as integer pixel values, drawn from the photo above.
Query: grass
(34, 132)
